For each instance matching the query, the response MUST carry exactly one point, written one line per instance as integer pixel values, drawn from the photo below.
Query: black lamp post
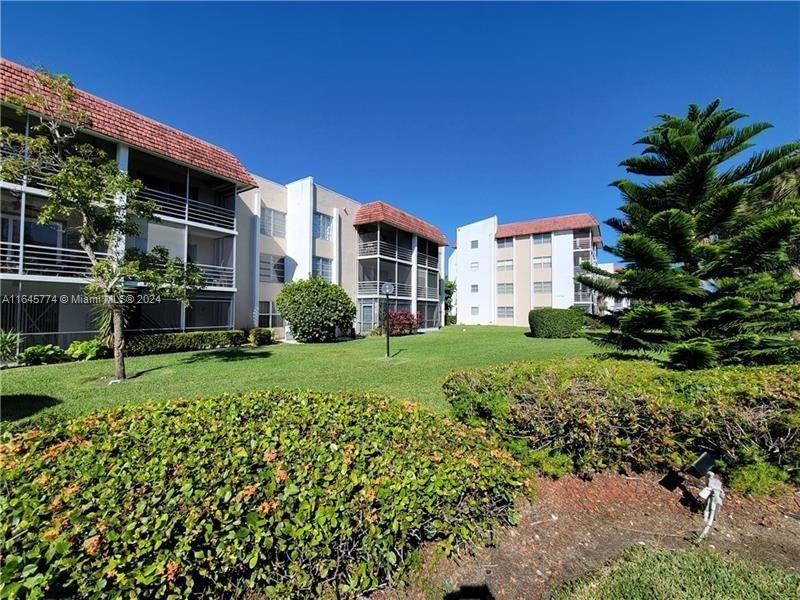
(388, 289)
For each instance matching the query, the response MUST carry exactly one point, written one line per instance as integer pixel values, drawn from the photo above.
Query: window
(473, 288)
(321, 267)
(543, 287)
(273, 222)
(542, 262)
(322, 226)
(505, 265)
(473, 244)
(505, 288)
(505, 312)
(271, 268)
(475, 311)
(505, 242)
(540, 239)
(473, 266)
(268, 315)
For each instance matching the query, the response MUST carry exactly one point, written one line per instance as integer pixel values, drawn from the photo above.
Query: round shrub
(42, 355)
(260, 336)
(88, 349)
(316, 309)
(556, 322)
(286, 493)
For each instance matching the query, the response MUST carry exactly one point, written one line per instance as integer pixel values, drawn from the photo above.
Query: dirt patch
(575, 526)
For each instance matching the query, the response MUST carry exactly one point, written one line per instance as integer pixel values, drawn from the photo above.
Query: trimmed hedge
(160, 343)
(556, 322)
(260, 336)
(614, 414)
(285, 493)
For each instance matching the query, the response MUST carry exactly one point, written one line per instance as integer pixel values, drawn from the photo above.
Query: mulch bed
(576, 525)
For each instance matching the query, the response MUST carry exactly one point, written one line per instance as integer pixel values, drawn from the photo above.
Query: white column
(122, 161)
(441, 286)
(336, 267)
(255, 261)
(299, 227)
(414, 242)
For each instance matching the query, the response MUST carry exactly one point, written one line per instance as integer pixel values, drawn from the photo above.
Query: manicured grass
(415, 371)
(682, 574)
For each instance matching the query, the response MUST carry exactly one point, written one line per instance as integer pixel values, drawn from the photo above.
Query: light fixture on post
(388, 289)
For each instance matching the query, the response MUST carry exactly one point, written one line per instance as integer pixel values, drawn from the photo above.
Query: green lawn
(682, 575)
(415, 371)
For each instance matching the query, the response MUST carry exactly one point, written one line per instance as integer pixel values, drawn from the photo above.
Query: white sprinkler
(713, 494)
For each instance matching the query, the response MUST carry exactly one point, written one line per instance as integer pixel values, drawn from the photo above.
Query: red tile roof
(579, 221)
(121, 124)
(381, 212)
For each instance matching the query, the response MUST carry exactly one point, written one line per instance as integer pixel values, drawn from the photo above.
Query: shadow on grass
(225, 355)
(22, 406)
(144, 371)
(470, 592)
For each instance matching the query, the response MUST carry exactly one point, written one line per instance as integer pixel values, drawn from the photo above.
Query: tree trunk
(119, 344)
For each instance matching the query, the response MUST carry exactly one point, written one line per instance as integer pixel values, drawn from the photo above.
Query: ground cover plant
(286, 493)
(595, 414)
(415, 372)
(682, 575)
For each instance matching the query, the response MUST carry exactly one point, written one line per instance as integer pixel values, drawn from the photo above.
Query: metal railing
(426, 260)
(216, 275)
(56, 262)
(177, 207)
(428, 293)
(386, 249)
(9, 257)
(373, 288)
(582, 243)
(583, 296)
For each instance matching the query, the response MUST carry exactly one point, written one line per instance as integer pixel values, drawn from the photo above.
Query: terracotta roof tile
(381, 212)
(132, 128)
(579, 221)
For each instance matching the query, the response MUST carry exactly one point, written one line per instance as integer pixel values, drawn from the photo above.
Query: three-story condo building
(249, 236)
(504, 271)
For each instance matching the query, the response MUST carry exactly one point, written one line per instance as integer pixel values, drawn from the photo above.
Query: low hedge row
(284, 493)
(161, 343)
(591, 414)
(556, 322)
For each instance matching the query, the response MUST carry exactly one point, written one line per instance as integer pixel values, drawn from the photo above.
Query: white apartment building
(504, 271)
(249, 236)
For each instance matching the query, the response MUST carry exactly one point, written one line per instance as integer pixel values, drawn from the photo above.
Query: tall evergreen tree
(707, 262)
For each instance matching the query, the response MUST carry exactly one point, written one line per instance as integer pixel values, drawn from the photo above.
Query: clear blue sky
(453, 112)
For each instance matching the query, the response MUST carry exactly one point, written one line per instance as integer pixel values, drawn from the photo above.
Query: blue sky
(453, 112)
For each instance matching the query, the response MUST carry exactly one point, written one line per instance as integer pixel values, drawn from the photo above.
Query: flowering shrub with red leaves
(403, 322)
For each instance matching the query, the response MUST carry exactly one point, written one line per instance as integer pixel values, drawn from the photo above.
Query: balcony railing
(9, 257)
(582, 243)
(373, 288)
(583, 297)
(56, 262)
(426, 260)
(177, 207)
(216, 275)
(385, 249)
(428, 293)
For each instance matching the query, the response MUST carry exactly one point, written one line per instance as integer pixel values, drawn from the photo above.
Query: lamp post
(388, 289)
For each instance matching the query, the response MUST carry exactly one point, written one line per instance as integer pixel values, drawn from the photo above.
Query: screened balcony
(388, 242)
(28, 248)
(372, 276)
(183, 193)
(213, 255)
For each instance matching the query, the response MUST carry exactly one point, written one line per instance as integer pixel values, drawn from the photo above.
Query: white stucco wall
(563, 270)
(299, 234)
(484, 277)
